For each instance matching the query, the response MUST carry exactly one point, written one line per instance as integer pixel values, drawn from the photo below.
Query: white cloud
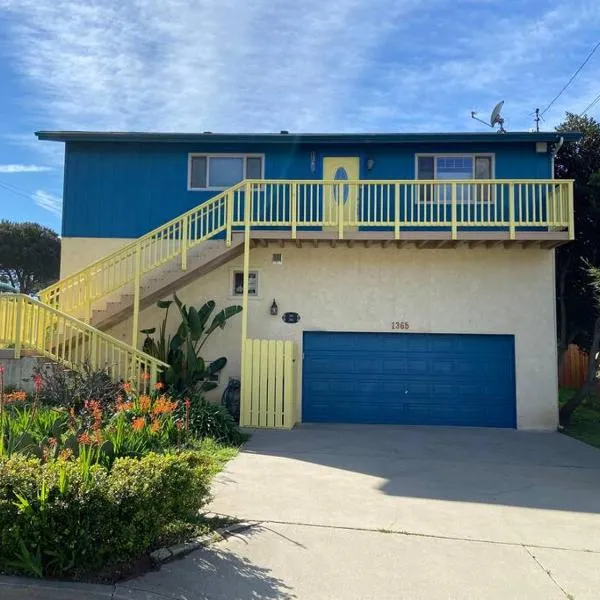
(344, 65)
(48, 202)
(24, 169)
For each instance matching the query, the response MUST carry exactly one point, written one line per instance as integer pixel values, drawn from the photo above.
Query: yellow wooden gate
(269, 384)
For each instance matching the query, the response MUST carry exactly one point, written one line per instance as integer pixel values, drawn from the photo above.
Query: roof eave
(308, 138)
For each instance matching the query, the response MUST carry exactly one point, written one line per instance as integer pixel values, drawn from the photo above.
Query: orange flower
(159, 385)
(52, 441)
(121, 406)
(155, 427)
(138, 424)
(126, 387)
(65, 454)
(95, 410)
(163, 406)
(146, 375)
(17, 396)
(145, 403)
(84, 438)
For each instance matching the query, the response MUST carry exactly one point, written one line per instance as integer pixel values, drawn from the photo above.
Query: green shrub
(205, 419)
(63, 518)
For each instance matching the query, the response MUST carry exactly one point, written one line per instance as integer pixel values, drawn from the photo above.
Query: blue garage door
(410, 378)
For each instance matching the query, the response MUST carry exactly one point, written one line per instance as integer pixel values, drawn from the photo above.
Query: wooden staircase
(166, 280)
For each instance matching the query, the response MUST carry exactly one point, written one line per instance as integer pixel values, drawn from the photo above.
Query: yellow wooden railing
(459, 204)
(28, 324)
(75, 293)
(269, 384)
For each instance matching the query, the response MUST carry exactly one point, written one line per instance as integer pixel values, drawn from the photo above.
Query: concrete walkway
(361, 512)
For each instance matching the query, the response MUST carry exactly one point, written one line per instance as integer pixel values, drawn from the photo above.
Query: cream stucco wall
(505, 291)
(77, 253)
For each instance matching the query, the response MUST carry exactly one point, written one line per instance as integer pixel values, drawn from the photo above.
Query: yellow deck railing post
(94, 349)
(571, 212)
(293, 209)
(454, 211)
(229, 216)
(88, 296)
(340, 211)
(397, 211)
(185, 222)
(136, 296)
(511, 210)
(244, 391)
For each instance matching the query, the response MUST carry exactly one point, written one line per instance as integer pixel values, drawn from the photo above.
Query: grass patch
(220, 453)
(585, 422)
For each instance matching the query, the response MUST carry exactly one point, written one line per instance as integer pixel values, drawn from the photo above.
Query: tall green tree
(29, 256)
(576, 308)
(593, 370)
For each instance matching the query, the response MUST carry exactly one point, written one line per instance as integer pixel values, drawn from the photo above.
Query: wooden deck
(418, 239)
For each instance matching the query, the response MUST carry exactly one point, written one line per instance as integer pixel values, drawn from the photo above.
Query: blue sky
(261, 65)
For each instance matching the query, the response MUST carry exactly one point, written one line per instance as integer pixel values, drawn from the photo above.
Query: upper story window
(455, 167)
(446, 166)
(220, 171)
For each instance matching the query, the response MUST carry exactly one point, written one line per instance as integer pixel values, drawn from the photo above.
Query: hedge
(60, 519)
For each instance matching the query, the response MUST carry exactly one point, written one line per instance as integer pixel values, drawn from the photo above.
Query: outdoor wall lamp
(313, 161)
(370, 164)
(274, 308)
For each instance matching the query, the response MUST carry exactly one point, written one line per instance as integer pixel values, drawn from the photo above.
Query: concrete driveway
(347, 512)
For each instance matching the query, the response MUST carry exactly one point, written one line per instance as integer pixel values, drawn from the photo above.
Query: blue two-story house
(386, 278)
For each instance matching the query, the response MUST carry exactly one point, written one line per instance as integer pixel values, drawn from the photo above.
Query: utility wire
(572, 77)
(590, 105)
(18, 191)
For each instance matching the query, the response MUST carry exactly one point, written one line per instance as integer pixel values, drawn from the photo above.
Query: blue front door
(409, 378)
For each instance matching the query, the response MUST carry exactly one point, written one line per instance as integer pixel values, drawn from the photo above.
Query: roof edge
(305, 138)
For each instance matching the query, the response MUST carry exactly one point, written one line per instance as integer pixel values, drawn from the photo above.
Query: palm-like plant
(187, 369)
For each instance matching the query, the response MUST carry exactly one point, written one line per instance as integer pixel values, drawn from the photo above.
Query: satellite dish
(495, 118)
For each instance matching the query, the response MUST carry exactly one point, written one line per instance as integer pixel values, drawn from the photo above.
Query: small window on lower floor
(238, 283)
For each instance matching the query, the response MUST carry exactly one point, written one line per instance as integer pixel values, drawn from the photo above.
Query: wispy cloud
(24, 169)
(345, 65)
(48, 202)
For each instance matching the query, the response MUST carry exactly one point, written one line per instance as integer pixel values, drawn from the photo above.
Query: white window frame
(208, 156)
(232, 273)
(472, 155)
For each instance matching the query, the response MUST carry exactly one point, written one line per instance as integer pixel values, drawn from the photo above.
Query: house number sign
(400, 325)
(290, 317)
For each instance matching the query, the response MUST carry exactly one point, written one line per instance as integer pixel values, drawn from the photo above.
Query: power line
(18, 191)
(590, 105)
(572, 77)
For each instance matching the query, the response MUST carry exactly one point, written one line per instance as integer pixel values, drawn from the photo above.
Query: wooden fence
(269, 384)
(574, 367)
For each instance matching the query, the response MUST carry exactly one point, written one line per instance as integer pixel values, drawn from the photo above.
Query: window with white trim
(220, 171)
(455, 167)
(237, 283)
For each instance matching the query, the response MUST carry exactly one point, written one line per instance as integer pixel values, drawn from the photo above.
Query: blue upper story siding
(125, 189)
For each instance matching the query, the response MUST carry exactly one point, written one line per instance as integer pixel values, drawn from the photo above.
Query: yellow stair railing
(75, 293)
(26, 324)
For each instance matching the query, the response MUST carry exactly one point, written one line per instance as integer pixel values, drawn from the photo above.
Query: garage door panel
(419, 379)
